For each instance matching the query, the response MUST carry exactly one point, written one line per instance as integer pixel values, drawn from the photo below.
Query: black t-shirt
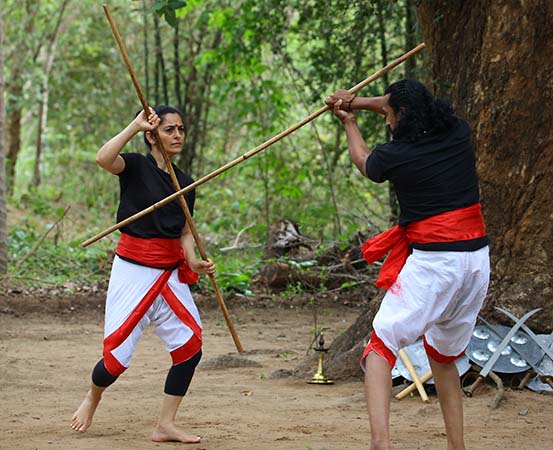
(435, 174)
(142, 184)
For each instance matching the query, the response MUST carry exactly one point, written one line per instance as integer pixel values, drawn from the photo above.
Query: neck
(159, 159)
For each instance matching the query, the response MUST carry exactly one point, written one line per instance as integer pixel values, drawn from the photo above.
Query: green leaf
(176, 4)
(170, 17)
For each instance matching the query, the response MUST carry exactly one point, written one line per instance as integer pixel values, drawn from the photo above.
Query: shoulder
(133, 162)
(391, 149)
(133, 157)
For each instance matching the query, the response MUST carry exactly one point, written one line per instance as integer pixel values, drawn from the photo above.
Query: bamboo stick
(250, 153)
(413, 387)
(174, 180)
(409, 365)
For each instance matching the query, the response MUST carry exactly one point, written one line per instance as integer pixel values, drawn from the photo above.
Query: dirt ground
(49, 346)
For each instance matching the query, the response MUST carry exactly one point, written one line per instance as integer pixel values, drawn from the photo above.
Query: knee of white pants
(395, 332)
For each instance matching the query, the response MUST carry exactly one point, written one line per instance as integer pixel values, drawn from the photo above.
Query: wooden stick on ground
(252, 152)
(413, 387)
(409, 365)
(174, 180)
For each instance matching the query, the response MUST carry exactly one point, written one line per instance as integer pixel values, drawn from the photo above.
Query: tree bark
(18, 55)
(176, 65)
(146, 50)
(494, 59)
(161, 75)
(392, 198)
(3, 206)
(13, 128)
(45, 92)
(410, 38)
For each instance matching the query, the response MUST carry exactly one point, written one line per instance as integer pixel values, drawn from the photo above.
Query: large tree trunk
(3, 211)
(495, 59)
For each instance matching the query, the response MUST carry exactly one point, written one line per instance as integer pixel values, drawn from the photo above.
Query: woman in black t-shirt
(154, 264)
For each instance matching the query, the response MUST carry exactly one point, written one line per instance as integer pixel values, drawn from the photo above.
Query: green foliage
(56, 260)
(249, 70)
(168, 9)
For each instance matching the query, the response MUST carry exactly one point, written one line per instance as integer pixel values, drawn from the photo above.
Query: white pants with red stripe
(437, 295)
(139, 295)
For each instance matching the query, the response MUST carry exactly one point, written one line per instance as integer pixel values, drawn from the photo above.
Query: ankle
(94, 395)
(165, 425)
(380, 444)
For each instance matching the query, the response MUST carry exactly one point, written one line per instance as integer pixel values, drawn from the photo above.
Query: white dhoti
(438, 295)
(140, 295)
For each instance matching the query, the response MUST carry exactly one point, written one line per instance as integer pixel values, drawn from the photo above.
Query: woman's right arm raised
(108, 156)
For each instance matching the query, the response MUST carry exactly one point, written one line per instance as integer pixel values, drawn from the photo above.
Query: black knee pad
(100, 375)
(180, 375)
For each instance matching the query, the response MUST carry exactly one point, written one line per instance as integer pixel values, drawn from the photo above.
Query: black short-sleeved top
(142, 184)
(432, 175)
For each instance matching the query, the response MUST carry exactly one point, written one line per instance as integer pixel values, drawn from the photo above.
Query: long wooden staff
(250, 153)
(174, 179)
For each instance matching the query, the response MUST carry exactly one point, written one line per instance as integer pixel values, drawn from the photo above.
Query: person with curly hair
(437, 271)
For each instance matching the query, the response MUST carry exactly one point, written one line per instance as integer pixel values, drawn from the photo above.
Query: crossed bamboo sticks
(181, 191)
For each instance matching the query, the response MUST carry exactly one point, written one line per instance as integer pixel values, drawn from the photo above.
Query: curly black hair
(419, 112)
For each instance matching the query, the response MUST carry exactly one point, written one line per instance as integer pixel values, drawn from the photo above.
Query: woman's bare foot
(82, 418)
(170, 433)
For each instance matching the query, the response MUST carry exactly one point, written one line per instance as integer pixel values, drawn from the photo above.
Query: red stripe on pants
(119, 336)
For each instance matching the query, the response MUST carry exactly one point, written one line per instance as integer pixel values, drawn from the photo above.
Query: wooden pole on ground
(174, 180)
(413, 387)
(252, 152)
(417, 381)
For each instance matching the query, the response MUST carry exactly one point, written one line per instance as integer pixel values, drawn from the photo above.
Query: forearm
(108, 156)
(358, 150)
(374, 104)
(187, 244)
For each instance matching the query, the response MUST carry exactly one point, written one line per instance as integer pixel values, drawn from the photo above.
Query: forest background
(242, 71)
(240, 74)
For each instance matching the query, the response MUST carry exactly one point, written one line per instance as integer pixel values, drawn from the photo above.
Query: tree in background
(3, 209)
(494, 60)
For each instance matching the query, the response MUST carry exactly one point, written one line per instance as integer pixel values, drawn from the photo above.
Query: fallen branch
(40, 240)
(235, 245)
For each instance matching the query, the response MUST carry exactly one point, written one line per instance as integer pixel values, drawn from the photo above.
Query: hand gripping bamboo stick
(174, 180)
(252, 152)
(417, 381)
(413, 387)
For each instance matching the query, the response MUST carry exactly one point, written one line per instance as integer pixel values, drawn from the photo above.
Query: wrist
(134, 128)
(350, 119)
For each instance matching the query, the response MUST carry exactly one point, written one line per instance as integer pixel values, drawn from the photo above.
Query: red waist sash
(156, 252)
(458, 225)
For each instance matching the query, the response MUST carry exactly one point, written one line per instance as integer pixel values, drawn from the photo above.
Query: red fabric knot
(451, 226)
(186, 274)
(157, 252)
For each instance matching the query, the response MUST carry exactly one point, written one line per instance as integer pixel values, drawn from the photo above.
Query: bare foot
(170, 433)
(82, 418)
